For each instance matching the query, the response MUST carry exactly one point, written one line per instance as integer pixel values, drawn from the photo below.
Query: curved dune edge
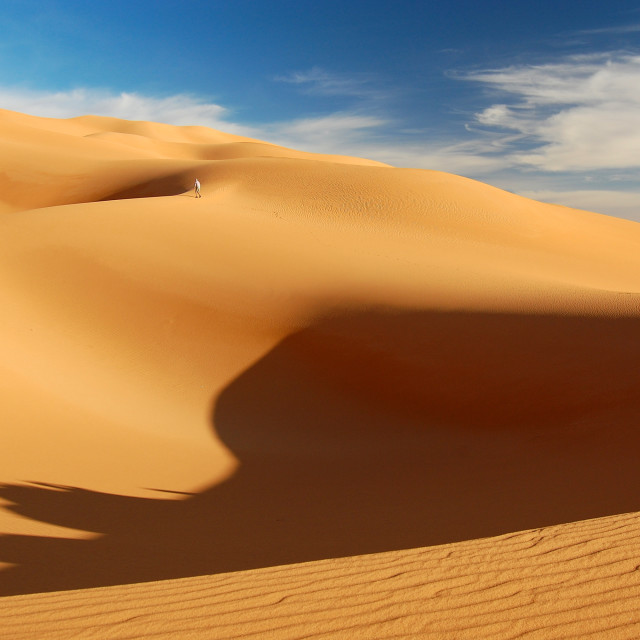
(568, 581)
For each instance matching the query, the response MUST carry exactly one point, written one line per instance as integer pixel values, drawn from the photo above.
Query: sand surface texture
(567, 581)
(323, 357)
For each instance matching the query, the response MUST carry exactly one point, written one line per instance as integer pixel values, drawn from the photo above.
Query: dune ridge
(49, 161)
(323, 357)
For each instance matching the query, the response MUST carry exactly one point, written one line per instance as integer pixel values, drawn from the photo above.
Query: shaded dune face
(479, 369)
(371, 432)
(381, 431)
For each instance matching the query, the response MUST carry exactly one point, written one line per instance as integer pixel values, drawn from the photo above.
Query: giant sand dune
(319, 384)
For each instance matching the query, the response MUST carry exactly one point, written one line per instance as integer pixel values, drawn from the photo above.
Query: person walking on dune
(197, 188)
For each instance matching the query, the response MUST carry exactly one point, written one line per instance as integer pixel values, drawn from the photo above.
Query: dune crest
(323, 357)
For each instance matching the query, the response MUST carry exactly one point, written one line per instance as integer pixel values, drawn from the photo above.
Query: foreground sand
(323, 357)
(568, 581)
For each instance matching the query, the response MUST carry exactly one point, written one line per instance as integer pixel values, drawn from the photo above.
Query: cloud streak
(318, 81)
(616, 30)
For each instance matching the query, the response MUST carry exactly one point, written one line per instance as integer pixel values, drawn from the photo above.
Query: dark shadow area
(370, 433)
(172, 184)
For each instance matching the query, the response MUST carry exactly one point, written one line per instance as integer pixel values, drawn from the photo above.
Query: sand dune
(567, 581)
(323, 357)
(48, 161)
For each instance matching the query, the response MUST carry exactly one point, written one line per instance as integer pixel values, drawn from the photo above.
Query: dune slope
(567, 581)
(322, 357)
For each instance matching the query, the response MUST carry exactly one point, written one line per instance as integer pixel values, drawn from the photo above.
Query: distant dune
(323, 357)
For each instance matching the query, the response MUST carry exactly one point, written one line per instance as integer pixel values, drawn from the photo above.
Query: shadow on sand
(172, 184)
(371, 433)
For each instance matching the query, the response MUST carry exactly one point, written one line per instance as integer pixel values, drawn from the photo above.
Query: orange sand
(567, 581)
(323, 357)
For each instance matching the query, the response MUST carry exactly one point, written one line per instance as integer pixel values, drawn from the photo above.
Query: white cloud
(579, 114)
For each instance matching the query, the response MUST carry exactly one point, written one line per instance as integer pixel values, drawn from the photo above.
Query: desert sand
(566, 581)
(330, 398)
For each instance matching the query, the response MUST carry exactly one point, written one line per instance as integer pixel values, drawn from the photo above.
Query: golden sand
(324, 357)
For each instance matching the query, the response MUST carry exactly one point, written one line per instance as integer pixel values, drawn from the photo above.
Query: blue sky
(541, 98)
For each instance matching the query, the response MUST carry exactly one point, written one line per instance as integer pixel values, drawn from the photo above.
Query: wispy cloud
(615, 30)
(579, 114)
(318, 81)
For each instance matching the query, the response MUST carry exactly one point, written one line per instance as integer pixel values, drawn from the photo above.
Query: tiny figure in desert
(196, 187)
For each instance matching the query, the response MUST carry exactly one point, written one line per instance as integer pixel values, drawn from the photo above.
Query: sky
(541, 97)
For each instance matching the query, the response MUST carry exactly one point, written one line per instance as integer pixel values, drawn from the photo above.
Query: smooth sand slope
(323, 357)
